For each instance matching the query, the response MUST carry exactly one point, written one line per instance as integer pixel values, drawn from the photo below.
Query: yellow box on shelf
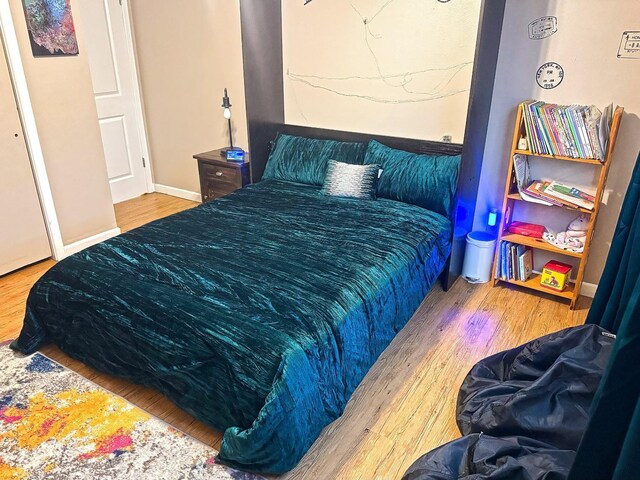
(555, 275)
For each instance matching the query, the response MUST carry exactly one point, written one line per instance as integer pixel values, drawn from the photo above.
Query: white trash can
(478, 257)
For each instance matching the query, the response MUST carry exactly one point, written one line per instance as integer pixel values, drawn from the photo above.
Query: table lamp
(230, 153)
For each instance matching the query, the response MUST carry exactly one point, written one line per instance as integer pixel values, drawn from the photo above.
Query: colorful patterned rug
(55, 424)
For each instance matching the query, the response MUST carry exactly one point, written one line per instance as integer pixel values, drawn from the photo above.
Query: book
(605, 127)
(541, 189)
(525, 261)
(583, 195)
(503, 260)
(582, 130)
(593, 119)
(520, 249)
(563, 194)
(576, 131)
(536, 190)
(515, 262)
(574, 192)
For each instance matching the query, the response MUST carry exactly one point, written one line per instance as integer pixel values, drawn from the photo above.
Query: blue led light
(493, 217)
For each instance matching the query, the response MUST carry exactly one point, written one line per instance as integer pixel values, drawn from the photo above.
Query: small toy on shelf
(527, 229)
(572, 239)
(555, 275)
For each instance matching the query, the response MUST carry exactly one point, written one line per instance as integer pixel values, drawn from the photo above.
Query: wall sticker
(630, 45)
(543, 27)
(550, 75)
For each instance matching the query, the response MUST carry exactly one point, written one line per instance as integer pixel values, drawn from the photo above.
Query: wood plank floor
(404, 407)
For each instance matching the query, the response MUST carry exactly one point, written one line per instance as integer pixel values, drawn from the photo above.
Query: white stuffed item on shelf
(574, 238)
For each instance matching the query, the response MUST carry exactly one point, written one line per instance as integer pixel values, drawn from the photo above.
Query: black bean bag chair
(542, 389)
(478, 456)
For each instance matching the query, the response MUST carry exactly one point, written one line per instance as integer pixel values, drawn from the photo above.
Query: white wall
(62, 99)
(188, 51)
(586, 45)
(405, 72)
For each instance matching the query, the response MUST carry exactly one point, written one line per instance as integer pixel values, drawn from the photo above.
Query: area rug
(55, 424)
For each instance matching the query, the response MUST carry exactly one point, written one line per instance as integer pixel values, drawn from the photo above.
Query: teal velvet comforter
(258, 313)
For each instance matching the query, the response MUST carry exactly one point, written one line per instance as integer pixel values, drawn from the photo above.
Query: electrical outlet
(447, 138)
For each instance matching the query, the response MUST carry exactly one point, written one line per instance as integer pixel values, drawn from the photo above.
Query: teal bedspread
(259, 313)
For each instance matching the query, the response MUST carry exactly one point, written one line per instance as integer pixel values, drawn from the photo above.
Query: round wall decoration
(550, 75)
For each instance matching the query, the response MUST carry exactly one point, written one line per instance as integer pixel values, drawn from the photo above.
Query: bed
(258, 313)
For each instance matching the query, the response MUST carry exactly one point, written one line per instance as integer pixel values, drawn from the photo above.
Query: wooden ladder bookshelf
(511, 196)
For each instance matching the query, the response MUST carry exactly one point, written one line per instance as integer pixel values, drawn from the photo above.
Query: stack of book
(516, 262)
(566, 130)
(561, 194)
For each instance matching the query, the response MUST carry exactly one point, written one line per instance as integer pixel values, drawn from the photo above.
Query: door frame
(30, 130)
(9, 41)
(137, 95)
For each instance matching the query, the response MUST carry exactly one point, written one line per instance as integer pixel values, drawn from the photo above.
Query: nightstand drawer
(222, 175)
(212, 190)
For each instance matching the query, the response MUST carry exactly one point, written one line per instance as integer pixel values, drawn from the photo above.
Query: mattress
(258, 313)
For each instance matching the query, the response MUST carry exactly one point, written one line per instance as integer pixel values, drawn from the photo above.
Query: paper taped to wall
(629, 45)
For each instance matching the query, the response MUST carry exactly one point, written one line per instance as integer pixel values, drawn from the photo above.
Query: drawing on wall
(372, 53)
(543, 27)
(399, 87)
(629, 45)
(550, 75)
(50, 26)
(422, 85)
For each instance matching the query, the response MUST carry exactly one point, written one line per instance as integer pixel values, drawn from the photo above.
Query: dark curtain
(610, 447)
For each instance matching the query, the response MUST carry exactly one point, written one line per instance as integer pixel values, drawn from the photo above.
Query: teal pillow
(352, 181)
(304, 160)
(428, 181)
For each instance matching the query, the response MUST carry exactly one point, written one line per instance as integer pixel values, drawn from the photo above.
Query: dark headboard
(408, 144)
(259, 159)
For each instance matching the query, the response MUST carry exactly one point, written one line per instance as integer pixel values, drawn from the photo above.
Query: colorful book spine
(515, 262)
(562, 130)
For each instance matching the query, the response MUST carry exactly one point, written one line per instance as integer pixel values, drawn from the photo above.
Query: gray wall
(586, 45)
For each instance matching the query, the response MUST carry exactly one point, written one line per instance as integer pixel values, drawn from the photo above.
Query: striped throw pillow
(353, 181)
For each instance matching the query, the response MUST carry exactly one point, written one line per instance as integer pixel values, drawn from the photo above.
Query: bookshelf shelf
(572, 291)
(518, 198)
(589, 161)
(534, 284)
(537, 243)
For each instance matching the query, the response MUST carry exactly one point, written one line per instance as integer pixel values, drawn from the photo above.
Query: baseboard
(178, 192)
(588, 289)
(75, 247)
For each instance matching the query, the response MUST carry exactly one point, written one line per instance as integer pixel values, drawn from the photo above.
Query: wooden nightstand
(218, 176)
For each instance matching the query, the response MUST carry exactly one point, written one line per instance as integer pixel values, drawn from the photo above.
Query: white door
(110, 52)
(23, 235)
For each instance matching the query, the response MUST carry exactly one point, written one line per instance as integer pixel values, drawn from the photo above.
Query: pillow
(354, 181)
(428, 181)
(304, 160)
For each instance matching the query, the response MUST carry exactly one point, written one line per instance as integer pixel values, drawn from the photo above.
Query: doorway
(112, 63)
